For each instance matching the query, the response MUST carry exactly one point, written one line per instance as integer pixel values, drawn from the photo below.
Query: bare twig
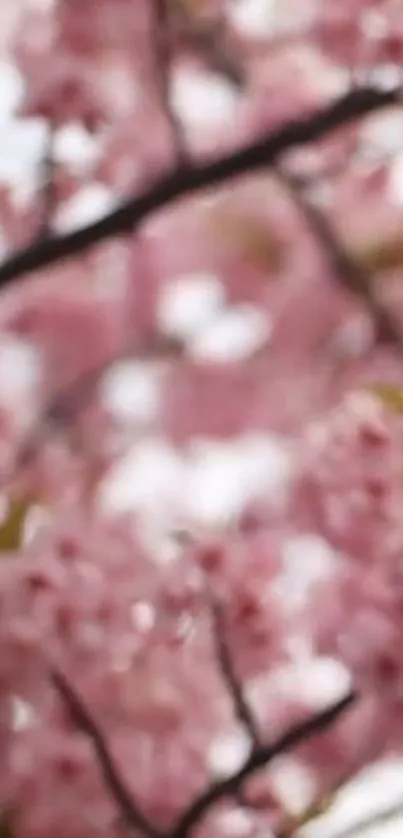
(259, 758)
(162, 68)
(347, 272)
(128, 809)
(242, 711)
(351, 275)
(48, 190)
(185, 181)
(208, 41)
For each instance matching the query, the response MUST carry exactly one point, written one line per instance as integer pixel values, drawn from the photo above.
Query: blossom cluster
(201, 444)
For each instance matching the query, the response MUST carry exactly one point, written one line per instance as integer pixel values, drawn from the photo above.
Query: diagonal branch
(129, 810)
(259, 758)
(349, 273)
(242, 711)
(185, 181)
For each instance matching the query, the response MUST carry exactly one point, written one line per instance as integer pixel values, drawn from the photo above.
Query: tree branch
(259, 758)
(185, 181)
(128, 809)
(242, 711)
(349, 273)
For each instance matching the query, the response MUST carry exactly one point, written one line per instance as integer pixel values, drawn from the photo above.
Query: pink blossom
(188, 643)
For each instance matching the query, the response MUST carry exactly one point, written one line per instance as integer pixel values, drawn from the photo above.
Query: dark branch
(259, 758)
(185, 181)
(345, 270)
(128, 809)
(241, 708)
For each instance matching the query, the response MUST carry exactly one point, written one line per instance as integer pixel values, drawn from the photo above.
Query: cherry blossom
(202, 457)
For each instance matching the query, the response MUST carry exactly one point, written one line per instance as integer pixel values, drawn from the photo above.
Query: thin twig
(242, 711)
(48, 189)
(162, 70)
(128, 809)
(259, 758)
(208, 41)
(348, 272)
(185, 181)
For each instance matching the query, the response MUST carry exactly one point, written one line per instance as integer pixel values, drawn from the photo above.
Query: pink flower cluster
(137, 641)
(308, 580)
